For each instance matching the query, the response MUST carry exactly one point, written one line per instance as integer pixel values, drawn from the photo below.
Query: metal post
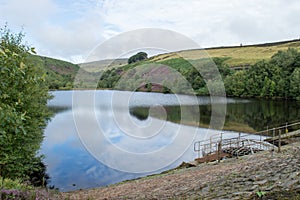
(210, 143)
(260, 142)
(279, 142)
(199, 149)
(219, 151)
(221, 136)
(273, 135)
(239, 140)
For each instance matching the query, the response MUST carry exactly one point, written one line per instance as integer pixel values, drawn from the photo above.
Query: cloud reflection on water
(70, 163)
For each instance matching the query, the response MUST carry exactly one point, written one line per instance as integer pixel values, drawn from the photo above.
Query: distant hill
(103, 64)
(61, 74)
(235, 56)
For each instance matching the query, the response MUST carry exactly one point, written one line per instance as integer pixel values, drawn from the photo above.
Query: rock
(233, 179)
(288, 184)
(297, 187)
(294, 175)
(260, 182)
(269, 188)
(186, 165)
(254, 187)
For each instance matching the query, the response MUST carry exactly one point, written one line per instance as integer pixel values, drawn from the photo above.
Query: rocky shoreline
(264, 175)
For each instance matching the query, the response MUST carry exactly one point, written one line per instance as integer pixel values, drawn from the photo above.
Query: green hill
(59, 74)
(273, 71)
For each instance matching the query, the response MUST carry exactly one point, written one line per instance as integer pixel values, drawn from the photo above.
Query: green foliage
(235, 84)
(138, 57)
(16, 184)
(295, 84)
(18, 190)
(23, 108)
(178, 74)
(109, 78)
(260, 194)
(278, 77)
(287, 60)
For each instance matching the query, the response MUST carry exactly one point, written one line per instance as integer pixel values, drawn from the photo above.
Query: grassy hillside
(59, 74)
(103, 64)
(236, 55)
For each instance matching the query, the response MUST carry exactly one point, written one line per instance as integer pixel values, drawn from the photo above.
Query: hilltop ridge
(235, 55)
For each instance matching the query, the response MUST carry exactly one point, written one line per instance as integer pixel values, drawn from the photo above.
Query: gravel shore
(264, 175)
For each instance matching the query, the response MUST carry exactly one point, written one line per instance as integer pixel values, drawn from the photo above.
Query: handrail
(211, 145)
(277, 128)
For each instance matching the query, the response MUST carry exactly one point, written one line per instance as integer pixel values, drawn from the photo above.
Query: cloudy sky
(71, 29)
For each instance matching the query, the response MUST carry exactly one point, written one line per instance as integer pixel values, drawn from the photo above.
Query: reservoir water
(97, 138)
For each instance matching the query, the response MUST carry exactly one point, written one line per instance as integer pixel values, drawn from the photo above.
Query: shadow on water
(250, 116)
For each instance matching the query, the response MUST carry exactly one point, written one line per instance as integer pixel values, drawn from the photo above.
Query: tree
(138, 57)
(235, 84)
(286, 61)
(23, 108)
(295, 84)
(268, 88)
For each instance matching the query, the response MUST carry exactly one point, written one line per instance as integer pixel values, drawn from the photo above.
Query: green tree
(268, 88)
(23, 108)
(138, 57)
(287, 61)
(261, 79)
(295, 84)
(148, 86)
(235, 84)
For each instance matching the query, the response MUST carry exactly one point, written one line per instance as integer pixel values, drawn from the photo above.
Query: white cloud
(75, 38)
(210, 23)
(28, 13)
(70, 29)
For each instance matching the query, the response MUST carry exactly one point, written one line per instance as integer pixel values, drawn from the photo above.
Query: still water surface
(72, 163)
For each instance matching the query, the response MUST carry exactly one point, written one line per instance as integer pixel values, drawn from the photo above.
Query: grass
(97, 66)
(237, 56)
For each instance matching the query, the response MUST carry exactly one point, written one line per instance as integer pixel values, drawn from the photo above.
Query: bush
(23, 107)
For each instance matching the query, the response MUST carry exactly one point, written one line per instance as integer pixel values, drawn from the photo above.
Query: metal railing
(218, 142)
(213, 145)
(288, 127)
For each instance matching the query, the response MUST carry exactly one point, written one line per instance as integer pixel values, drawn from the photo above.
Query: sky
(71, 29)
